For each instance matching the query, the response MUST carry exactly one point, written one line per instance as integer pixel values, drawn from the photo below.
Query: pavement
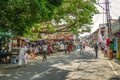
(12, 65)
(114, 61)
(61, 66)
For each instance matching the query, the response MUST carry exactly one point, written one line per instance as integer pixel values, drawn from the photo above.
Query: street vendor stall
(5, 48)
(115, 26)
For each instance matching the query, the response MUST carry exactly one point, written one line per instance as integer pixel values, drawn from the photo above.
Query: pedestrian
(49, 49)
(44, 46)
(22, 57)
(96, 50)
(65, 47)
(41, 49)
(102, 48)
(81, 48)
(69, 47)
(106, 51)
(37, 52)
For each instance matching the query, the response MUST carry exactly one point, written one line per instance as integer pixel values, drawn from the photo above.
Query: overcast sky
(100, 18)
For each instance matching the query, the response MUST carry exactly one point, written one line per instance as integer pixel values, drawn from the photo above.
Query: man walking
(81, 48)
(22, 55)
(44, 51)
(96, 50)
(65, 47)
(69, 48)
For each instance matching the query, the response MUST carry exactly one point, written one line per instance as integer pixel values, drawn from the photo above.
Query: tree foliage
(20, 15)
(79, 12)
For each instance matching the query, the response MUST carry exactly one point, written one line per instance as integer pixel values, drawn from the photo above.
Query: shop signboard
(115, 26)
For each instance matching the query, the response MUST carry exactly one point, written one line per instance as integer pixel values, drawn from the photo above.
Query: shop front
(5, 47)
(115, 26)
(118, 45)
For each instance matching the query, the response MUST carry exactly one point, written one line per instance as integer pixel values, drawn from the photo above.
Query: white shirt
(44, 47)
(22, 51)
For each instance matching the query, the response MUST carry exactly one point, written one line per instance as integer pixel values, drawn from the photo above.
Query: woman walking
(106, 51)
(96, 50)
(44, 51)
(69, 47)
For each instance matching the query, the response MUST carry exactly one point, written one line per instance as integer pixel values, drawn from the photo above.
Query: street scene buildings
(42, 40)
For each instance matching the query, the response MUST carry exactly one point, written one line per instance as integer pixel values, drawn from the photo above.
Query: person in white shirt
(106, 51)
(44, 46)
(22, 58)
(37, 51)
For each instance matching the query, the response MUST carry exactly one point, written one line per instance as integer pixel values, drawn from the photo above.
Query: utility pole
(108, 17)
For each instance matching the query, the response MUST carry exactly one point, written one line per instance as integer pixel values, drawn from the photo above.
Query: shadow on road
(63, 69)
(115, 78)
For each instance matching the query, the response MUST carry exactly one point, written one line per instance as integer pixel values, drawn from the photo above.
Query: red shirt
(107, 41)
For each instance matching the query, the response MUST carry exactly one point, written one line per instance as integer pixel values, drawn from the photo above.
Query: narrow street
(62, 66)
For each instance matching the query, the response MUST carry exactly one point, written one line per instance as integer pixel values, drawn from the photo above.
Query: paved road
(64, 67)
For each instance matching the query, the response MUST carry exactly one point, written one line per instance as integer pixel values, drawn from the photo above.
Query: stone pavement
(12, 65)
(9, 65)
(115, 62)
(64, 67)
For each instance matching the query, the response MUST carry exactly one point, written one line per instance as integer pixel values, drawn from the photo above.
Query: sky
(101, 18)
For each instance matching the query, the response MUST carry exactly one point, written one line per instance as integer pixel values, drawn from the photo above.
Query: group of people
(39, 49)
(45, 48)
(103, 47)
(23, 53)
(68, 48)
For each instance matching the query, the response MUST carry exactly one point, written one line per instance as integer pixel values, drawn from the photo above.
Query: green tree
(20, 15)
(76, 13)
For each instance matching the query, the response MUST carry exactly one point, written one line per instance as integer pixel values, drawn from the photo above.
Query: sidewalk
(11, 65)
(14, 65)
(116, 61)
(113, 60)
